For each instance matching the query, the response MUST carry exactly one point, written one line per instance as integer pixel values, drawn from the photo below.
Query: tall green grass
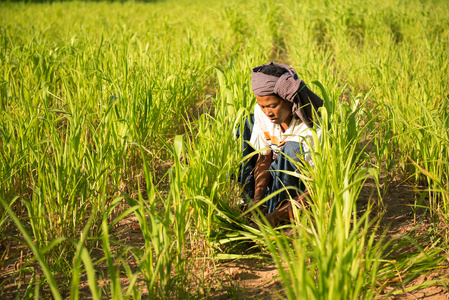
(96, 98)
(79, 98)
(397, 53)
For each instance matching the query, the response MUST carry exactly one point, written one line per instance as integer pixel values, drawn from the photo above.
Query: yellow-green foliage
(96, 97)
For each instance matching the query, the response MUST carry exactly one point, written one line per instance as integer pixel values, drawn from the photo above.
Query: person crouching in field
(280, 125)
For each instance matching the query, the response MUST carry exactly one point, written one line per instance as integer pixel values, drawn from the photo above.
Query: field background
(119, 159)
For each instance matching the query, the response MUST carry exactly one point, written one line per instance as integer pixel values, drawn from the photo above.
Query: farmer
(280, 125)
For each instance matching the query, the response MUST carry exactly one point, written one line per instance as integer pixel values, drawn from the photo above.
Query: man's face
(276, 109)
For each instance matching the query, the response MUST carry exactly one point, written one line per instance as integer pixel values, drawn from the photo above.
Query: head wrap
(289, 88)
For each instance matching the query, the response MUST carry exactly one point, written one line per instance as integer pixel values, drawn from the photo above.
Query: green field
(121, 112)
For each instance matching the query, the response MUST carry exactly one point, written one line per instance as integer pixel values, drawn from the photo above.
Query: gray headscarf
(289, 88)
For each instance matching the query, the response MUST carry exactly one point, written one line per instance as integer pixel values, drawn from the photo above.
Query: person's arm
(262, 176)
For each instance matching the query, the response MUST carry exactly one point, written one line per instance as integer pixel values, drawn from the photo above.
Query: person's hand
(301, 200)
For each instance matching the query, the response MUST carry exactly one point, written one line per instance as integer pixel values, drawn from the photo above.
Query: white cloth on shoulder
(266, 134)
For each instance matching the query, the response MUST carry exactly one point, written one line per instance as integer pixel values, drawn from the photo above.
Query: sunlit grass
(96, 98)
